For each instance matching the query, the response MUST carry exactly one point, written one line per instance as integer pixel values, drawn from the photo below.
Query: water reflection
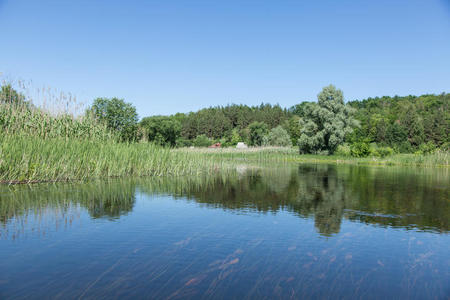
(37, 208)
(406, 198)
(383, 196)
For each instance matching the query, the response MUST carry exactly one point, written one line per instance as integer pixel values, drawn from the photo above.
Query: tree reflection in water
(399, 197)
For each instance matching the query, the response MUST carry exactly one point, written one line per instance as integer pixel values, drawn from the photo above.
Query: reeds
(38, 144)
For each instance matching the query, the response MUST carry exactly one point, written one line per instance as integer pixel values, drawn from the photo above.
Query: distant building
(241, 145)
(216, 145)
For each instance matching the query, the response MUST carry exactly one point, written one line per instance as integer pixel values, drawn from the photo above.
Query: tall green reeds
(37, 144)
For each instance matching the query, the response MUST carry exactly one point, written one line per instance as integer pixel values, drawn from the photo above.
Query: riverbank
(285, 154)
(29, 159)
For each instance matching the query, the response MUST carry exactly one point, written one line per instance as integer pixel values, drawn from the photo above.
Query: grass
(31, 159)
(37, 145)
(280, 154)
(27, 159)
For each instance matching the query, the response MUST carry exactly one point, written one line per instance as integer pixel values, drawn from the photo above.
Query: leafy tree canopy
(278, 136)
(118, 115)
(163, 130)
(325, 125)
(257, 131)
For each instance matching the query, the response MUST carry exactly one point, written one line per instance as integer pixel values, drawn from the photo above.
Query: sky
(179, 56)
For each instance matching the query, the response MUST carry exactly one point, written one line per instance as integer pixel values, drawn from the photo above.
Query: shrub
(380, 151)
(404, 147)
(343, 150)
(235, 137)
(426, 148)
(202, 141)
(385, 151)
(278, 136)
(257, 131)
(360, 149)
(183, 142)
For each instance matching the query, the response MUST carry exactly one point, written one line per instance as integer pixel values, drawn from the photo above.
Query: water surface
(307, 231)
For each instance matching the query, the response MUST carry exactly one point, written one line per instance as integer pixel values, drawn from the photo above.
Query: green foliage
(293, 128)
(183, 142)
(235, 137)
(404, 123)
(343, 150)
(26, 120)
(10, 96)
(29, 158)
(162, 130)
(325, 125)
(278, 136)
(202, 141)
(426, 148)
(378, 151)
(360, 149)
(384, 151)
(257, 131)
(118, 116)
(218, 122)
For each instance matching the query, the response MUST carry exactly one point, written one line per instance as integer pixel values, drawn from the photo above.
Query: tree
(202, 141)
(235, 137)
(325, 124)
(9, 95)
(293, 128)
(163, 130)
(278, 136)
(257, 131)
(118, 116)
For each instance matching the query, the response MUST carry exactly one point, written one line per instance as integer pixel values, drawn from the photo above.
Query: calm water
(296, 232)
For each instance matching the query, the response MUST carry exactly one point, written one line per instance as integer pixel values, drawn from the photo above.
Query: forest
(408, 124)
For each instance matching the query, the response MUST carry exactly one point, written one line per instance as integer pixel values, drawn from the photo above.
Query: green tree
(118, 116)
(293, 128)
(278, 136)
(235, 137)
(202, 141)
(257, 130)
(162, 130)
(9, 95)
(325, 124)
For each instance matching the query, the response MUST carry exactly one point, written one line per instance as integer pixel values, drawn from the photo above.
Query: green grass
(30, 159)
(26, 158)
(36, 145)
(287, 155)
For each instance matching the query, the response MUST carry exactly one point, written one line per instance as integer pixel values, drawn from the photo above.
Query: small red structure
(216, 145)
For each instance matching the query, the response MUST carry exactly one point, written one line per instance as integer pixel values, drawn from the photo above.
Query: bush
(404, 147)
(257, 132)
(202, 141)
(385, 151)
(183, 142)
(343, 150)
(380, 151)
(426, 148)
(235, 137)
(278, 136)
(360, 149)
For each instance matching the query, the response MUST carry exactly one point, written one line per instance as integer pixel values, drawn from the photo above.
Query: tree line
(380, 125)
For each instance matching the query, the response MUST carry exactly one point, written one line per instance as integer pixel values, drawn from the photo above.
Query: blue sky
(179, 56)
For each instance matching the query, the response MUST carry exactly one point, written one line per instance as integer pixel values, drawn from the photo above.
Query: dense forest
(404, 124)
(377, 126)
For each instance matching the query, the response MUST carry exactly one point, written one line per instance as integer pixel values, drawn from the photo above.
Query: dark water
(296, 232)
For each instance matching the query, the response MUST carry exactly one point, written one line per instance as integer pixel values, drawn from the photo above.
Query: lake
(298, 231)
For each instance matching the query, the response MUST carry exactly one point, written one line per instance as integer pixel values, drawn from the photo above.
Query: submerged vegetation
(38, 143)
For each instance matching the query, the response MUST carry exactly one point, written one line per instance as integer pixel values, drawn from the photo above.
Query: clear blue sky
(178, 56)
